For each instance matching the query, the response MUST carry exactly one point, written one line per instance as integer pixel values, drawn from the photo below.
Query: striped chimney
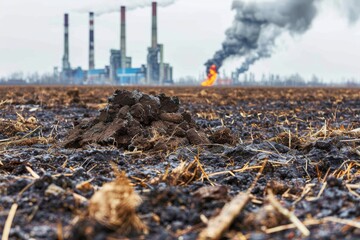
(154, 26)
(66, 63)
(91, 42)
(123, 37)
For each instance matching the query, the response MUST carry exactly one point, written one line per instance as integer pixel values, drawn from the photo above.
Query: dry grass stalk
(348, 222)
(288, 139)
(219, 224)
(309, 222)
(11, 128)
(310, 199)
(183, 174)
(348, 166)
(240, 170)
(8, 223)
(351, 188)
(34, 174)
(114, 206)
(296, 141)
(26, 141)
(2, 102)
(204, 175)
(60, 232)
(276, 204)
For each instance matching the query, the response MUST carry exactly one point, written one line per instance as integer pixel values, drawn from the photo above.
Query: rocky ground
(162, 163)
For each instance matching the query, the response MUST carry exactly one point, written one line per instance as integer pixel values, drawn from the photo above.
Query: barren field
(179, 163)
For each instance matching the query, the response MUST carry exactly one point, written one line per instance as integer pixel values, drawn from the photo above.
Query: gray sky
(31, 38)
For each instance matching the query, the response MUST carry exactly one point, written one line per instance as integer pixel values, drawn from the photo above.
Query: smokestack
(91, 42)
(66, 64)
(123, 37)
(154, 25)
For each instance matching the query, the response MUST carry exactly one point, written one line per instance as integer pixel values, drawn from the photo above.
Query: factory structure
(120, 70)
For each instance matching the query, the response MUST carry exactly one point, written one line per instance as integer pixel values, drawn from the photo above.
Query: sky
(31, 38)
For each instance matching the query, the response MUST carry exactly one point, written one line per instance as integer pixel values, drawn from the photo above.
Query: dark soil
(187, 152)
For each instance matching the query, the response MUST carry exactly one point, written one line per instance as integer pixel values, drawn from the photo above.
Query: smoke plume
(100, 7)
(350, 9)
(258, 24)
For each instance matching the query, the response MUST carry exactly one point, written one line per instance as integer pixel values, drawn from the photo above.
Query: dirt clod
(196, 138)
(223, 136)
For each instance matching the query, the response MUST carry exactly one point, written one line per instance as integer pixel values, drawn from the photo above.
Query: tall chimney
(66, 64)
(154, 26)
(91, 42)
(123, 37)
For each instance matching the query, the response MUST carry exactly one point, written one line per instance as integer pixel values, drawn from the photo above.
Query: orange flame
(212, 76)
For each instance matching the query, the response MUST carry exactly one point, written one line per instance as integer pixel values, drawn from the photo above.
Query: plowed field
(96, 163)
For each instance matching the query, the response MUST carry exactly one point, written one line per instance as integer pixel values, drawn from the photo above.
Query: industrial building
(157, 71)
(120, 70)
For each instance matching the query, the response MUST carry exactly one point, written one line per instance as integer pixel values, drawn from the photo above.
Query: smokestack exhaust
(123, 37)
(154, 26)
(91, 42)
(66, 64)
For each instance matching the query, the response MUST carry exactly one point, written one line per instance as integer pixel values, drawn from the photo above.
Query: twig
(25, 188)
(24, 140)
(92, 168)
(343, 164)
(219, 224)
(221, 173)
(60, 233)
(306, 190)
(189, 230)
(204, 174)
(311, 199)
(33, 213)
(275, 203)
(5, 101)
(352, 223)
(274, 147)
(357, 186)
(350, 187)
(292, 226)
(351, 140)
(132, 153)
(8, 223)
(28, 134)
(34, 174)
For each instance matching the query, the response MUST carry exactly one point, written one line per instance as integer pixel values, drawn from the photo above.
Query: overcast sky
(31, 38)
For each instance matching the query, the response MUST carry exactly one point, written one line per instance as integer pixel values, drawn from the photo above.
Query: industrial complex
(120, 70)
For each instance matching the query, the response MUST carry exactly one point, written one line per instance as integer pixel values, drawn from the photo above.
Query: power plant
(120, 70)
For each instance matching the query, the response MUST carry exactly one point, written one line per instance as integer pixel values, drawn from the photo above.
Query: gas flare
(212, 76)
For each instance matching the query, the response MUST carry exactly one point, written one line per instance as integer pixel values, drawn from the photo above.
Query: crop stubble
(308, 138)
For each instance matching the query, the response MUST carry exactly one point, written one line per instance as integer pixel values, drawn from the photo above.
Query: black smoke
(258, 24)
